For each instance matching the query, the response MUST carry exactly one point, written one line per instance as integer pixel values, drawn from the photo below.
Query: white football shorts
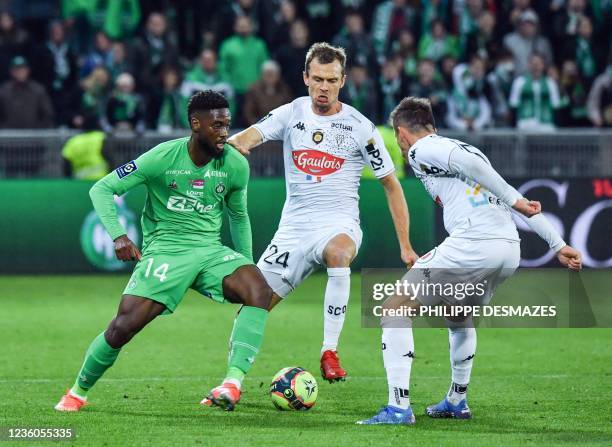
(293, 254)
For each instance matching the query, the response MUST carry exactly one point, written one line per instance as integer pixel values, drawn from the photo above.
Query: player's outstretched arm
(401, 218)
(246, 140)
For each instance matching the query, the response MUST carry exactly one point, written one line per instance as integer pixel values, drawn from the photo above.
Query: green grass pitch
(529, 386)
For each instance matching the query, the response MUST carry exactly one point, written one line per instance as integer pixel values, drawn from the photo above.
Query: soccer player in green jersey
(189, 181)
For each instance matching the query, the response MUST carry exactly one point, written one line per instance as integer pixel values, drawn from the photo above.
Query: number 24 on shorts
(159, 272)
(281, 259)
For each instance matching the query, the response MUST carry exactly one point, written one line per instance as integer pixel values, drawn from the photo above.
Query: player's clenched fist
(527, 207)
(570, 258)
(409, 257)
(126, 250)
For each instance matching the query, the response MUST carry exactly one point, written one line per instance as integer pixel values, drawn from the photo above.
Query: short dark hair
(413, 113)
(206, 100)
(325, 54)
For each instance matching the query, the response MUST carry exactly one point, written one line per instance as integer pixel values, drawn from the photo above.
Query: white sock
(398, 351)
(335, 304)
(462, 343)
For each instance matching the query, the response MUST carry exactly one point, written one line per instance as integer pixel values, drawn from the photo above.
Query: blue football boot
(390, 415)
(445, 409)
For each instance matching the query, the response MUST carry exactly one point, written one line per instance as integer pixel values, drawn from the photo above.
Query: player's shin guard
(245, 342)
(398, 352)
(99, 357)
(334, 308)
(462, 345)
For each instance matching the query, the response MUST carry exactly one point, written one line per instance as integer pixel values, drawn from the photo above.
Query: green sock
(99, 357)
(245, 341)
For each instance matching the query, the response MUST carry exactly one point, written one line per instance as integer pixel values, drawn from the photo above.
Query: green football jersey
(184, 203)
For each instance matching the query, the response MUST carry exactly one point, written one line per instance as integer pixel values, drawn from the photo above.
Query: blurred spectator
(266, 94)
(468, 107)
(565, 22)
(447, 66)
(573, 92)
(85, 155)
(526, 40)
(117, 18)
(55, 67)
(583, 50)
(391, 86)
(205, 76)
(361, 92)
(535, 97)
(226, 13)
(599, 104)
(156, 48)
(240, 60)
(437, 43)
(320, 18)
(355, 41)
(427, 86)
(292, 57)
(119, 62)
(405, 49)
(171, 106)
(500, 83)
(484, 42)
(125, 108)
(100, 56)
(93, 97)
(510, 13)
(24, 104)
(433, 10)
(14, 41)
(275, 34)
(469, 20)
(390, 17)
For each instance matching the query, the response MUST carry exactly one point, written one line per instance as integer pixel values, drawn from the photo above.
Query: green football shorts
(165, 272)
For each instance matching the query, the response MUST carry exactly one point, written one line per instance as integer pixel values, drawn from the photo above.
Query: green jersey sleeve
(118, 182)
(236, 200)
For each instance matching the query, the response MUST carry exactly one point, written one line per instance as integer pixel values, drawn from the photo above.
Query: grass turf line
(529, 386)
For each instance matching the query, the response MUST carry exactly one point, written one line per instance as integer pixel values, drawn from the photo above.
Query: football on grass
(294, 388)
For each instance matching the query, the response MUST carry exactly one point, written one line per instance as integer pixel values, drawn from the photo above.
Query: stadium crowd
(129, 64)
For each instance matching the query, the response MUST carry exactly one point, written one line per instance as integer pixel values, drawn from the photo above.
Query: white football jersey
(469, 210)
(324, 157)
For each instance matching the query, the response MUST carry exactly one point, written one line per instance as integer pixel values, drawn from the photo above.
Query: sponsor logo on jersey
(195, 193)
(126, 169)
(316, 163)
(317, 136)
(178, 172)
(341, 126)
(172, 184)
(220, 188)
(215, 174)
(197, 184)
(300, 126)
(187, 205)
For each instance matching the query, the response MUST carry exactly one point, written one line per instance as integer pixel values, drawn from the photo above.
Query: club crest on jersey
(316, 163)
(172, 184)
(197, 184)
(317, 136)
(126, 169)
(220, 189)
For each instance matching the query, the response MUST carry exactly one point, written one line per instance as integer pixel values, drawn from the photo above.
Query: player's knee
(258, 295)
(120, 331)
(339, 258)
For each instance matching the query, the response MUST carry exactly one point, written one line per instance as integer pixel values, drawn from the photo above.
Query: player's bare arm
(246, 140)
(401, 218)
